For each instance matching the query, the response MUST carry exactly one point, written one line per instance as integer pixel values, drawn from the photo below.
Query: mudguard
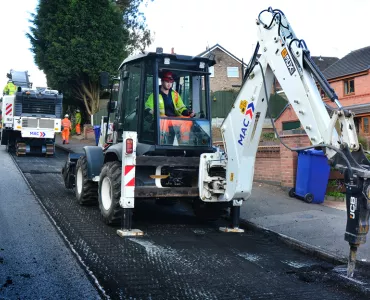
(95, 160)
(114, 150)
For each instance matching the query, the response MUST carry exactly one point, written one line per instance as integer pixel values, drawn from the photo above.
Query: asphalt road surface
(180, 257)
(34, 260)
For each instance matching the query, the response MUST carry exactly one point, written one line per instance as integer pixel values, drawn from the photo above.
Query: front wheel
(86, 190)
(67, 176)
(110, 192)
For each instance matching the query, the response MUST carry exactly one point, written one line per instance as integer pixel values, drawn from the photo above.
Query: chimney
(172, 50)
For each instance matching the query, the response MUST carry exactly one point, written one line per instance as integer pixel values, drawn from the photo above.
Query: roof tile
(354, 62)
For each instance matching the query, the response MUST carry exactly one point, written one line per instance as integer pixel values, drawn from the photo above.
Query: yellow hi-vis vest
(10, 88)
(176, 99)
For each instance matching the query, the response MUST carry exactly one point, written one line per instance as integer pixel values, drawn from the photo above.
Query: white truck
(147, 160)
(30, 118)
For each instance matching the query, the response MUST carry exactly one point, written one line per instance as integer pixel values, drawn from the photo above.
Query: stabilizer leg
(235, 218)
(126, 224)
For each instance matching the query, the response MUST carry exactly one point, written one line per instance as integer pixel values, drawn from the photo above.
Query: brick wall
(287, 115)
(361, 94)
(267, 167)
(220, 81)
(278, 165)
(288, 159)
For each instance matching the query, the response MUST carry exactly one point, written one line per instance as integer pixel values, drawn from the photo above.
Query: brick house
(227, 73)
(350, 78)
(274, 163)
(321, 62)
(287, 120)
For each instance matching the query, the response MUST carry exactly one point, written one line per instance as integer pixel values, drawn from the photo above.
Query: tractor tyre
(110, 192)
(67, 176)
(86, 190)
(8, 147)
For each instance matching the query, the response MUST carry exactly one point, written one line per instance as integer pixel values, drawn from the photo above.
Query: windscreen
(183, 112)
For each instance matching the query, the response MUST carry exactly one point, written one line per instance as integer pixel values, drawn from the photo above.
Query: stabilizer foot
(228, 229)
(131, 232)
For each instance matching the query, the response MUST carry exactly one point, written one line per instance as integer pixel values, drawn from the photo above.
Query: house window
(233, 72)
(349, 86)
(291, 125)
(365, 125)
(212, 71)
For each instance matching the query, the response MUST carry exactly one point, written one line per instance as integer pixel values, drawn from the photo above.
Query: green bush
(335, 194)
(363, 141)
(332, 183)
(268, 136)
(367, 155)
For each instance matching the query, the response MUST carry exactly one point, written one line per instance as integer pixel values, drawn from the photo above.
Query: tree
(74, 40)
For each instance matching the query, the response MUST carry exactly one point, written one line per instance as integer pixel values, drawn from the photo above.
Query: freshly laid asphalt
(34, 253)
(34, 260)
(315, 228)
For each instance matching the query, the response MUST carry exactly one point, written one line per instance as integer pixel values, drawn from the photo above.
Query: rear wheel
(10, 145)
(308, 198)
(110, 192)
(86, 190)
(292, 192)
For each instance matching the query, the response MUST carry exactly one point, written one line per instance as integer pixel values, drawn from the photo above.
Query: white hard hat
(66, 116)
(77, 110)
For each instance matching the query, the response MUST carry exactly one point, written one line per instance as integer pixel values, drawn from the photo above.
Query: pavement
(317, 229)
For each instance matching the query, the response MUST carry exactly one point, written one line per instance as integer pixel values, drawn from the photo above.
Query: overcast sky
(329, 27)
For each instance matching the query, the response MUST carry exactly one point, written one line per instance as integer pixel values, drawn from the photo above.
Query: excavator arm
(285, 57)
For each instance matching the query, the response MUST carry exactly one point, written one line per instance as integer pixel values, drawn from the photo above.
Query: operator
(170, 105)
(9, 88)
(78, 122)
(66, 127)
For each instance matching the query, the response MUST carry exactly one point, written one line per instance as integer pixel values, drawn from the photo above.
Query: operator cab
(140, 78)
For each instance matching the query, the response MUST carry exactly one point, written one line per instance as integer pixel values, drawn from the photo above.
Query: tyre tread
(89, 193)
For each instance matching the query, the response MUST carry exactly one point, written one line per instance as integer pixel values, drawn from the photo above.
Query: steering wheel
(201, 114)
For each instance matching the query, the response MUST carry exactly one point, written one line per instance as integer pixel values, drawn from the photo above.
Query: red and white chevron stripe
(9, 109)
(129, 176)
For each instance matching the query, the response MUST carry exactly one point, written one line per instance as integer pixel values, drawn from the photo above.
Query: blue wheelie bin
(313, 173)
(97, 134)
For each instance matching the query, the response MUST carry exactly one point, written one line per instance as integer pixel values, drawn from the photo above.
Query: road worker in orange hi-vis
(171, 105)
(66, 128)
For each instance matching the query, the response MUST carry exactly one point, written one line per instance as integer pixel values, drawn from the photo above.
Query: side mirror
(112, 106)
(104, 80)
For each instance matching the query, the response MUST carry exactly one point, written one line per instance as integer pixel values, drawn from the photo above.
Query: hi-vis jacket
(176, 99)
(10, 88)
(66, 123)
(78, 118)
